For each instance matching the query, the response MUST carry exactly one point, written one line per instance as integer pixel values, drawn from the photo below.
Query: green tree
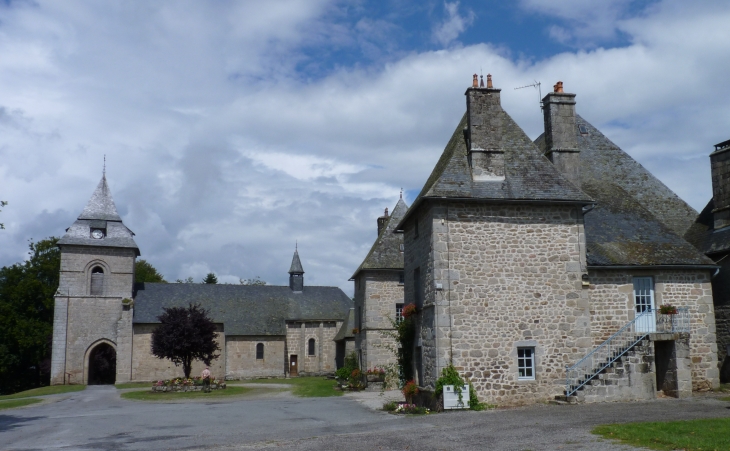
(145, 272)
(2, 204)
(188, 280)
(255, 281)
(185, 335)
(26, 317)
(210, 278)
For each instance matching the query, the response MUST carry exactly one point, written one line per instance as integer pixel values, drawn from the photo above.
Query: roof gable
(385, 253)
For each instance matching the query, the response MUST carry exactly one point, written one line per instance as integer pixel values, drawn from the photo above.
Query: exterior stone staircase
(630, 377)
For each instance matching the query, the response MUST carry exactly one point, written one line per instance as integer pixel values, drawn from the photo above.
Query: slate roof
(385, 252)
(243, 309)
(703, 235)
(637, 220)
(529, 175)
(100, 212)
(345, 331)
(296, 264)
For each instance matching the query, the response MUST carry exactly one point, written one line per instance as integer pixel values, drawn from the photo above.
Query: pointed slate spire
(296, 273)
(100, 225)
(101, 205)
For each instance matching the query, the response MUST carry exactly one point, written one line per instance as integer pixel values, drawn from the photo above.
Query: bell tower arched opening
(102, 365)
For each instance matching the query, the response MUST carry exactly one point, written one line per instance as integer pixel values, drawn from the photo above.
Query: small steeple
(296, 272)
(101, 205)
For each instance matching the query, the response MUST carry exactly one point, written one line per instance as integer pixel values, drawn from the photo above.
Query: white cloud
(453, 25)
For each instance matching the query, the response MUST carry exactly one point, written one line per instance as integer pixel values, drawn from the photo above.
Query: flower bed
(181, 384)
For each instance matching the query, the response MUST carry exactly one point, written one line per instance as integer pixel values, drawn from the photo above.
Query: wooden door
(293, 370)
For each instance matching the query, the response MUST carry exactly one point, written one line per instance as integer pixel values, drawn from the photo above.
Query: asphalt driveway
(98, 419)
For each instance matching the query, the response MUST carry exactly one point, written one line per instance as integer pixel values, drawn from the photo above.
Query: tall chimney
(720, 164)
(484, 132)
(382, 221)
(561, 141)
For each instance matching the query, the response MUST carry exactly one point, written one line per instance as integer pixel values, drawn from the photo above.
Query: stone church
(539, 269)
(103, 321)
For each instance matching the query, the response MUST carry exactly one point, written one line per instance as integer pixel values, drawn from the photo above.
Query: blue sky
(233, 129)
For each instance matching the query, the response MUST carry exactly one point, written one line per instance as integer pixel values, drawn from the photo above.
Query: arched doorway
(102, 365)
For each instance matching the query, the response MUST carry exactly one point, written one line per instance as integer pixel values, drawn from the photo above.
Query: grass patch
(306, 387)
(43, 391)
(173, 396)
(727, 398)
(692, 435)
(13, 403)
(134, 385)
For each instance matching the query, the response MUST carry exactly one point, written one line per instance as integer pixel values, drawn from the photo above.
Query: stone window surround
(89, 268)
(536, 357)
(312, 347)
(261, 345)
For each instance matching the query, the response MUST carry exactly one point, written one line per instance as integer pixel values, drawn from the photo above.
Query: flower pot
(376, 377)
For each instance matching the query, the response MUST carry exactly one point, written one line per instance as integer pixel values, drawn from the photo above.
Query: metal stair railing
(606, 353)
(648, 321)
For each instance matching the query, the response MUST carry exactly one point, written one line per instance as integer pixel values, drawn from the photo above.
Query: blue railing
(646, 322)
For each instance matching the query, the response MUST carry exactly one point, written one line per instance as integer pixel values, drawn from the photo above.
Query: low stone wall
(185, 388)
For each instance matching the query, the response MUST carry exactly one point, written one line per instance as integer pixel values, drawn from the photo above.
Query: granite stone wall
(82, 321)
(241, 361)
(298, 334)
(497, 278)
(612, 306)
(376, 298)
(147, 367)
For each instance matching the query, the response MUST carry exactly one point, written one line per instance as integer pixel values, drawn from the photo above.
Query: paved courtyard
(98, 419)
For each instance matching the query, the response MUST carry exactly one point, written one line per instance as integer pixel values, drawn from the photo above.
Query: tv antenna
(539, 89)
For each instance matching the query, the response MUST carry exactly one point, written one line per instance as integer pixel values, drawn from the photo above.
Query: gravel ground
(98, 419)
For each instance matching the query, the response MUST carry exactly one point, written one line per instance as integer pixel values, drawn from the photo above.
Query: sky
(235, 130)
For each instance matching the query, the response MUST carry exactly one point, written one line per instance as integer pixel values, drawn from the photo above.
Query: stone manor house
(103, 321)
(538, 268)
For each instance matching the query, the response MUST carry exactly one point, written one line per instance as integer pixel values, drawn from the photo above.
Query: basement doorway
(665, 358)
(102, 365)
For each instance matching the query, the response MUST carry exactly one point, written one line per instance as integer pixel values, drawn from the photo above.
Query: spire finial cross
(401, 192)
(104, 170)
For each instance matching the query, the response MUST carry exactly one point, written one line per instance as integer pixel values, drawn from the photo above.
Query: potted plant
(667, 309)
(409, 310)
(376, 374)
(409, 390)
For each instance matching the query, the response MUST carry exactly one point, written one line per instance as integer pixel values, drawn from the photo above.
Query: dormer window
(97, 281)
(583, 129)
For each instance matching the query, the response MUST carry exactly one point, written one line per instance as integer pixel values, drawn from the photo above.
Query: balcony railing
(645, 323)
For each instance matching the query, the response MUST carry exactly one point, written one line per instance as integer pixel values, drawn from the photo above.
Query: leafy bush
(390, 406)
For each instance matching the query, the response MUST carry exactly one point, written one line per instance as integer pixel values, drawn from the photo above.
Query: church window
(97, 281)
(401, 277)
(259, 351)
(311, 346)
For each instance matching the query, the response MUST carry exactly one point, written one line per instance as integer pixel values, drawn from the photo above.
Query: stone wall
(612, 306)
(503, 277)
(147, 367)
(377, 293)
(241, 361)
(82, 321)
(298, 334)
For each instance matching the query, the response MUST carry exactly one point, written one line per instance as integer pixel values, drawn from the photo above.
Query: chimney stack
(382, 221)
(484, 132)
(720, 164)
(561, 140)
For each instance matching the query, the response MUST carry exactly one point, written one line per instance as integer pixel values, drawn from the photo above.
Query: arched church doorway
(102, 365)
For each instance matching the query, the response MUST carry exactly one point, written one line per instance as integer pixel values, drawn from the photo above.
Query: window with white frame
(526, 363)
(399, 312)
